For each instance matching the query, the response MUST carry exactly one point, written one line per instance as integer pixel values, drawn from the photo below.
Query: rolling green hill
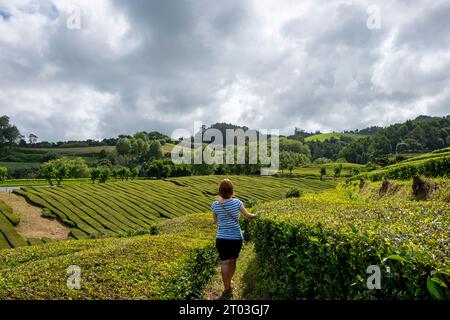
(433, 164)
(336, 135)
(122, 207)
(175, 264)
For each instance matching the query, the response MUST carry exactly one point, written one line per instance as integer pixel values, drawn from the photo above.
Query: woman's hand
(247, 215)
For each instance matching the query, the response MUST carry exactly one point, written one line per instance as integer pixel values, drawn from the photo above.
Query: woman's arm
(214, 217)
(247, 215)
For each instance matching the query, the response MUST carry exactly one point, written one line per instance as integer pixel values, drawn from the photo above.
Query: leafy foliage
(319, 247)
(164, 266)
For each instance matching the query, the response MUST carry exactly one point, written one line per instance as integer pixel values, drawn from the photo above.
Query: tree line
(422, 134)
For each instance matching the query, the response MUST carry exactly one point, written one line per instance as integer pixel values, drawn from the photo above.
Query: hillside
(433, 164)
(336, 135)
(120, 208)
(175, 264)
(332, 236)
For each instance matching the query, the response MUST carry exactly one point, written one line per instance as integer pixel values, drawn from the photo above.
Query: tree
(296, 146)
(32, 138)
(154, 169)
(48, 172)
(9, 134)
(3, 174)
(285, 160)
(105, 172)
(123, 146)
(139, 147)
(78, 168)
(155, 151)
(135, 172)
(115, 173)
(291, 160)
(159, 169)
(123, 173)
(95, 174)
(323, 172)
(61, 172)
(337, 171)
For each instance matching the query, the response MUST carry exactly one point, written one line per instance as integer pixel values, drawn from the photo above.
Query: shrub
(47, 213)
(7, 211)
(293, 193)
(433, 168)
(320, 248)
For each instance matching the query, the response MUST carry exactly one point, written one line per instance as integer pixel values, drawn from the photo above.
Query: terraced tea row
(9, 237)
(124, 207)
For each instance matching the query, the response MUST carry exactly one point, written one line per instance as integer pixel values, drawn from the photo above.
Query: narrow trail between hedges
(32, 224)
(245, 281)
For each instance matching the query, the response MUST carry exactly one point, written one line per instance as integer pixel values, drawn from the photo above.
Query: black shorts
(228, 249)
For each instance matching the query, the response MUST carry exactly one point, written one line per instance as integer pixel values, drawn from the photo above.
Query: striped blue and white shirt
(228, 228)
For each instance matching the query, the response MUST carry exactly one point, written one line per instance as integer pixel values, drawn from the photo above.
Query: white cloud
(160, 65)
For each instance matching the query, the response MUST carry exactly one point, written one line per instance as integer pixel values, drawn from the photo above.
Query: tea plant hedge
(432, 168)
(169, 265)
(9, 238)
(320, 247)
(98, 210)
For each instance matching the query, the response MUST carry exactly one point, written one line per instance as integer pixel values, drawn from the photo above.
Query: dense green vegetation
(377, 144)
(175, 264)
(419, 135)
(319, 247)
(117, 208)
(433, 164)
(312, 246)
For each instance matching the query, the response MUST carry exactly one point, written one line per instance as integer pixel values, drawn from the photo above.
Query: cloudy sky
(159, 65)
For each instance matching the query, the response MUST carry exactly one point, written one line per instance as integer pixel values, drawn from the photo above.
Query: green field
(123, 207)
(175, 264)
(19, 165)
(68, 151)
(313, 170)
(336, 135)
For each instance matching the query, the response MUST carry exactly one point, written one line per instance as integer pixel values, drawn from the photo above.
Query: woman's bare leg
(228, 268)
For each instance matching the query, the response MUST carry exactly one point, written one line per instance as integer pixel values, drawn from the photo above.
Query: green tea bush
(293, 193)
(319, 247)
(7, 211)
(432, 168)
(47, 213)
(176, 264)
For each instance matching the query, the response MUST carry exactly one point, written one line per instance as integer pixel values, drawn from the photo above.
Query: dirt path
(240, 280)
(32, 225)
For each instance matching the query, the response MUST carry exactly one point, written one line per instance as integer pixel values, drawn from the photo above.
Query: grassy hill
(336, 135)
(118, 208)
(175, 264)
(313, 170)
(69, 151)
(332, 236)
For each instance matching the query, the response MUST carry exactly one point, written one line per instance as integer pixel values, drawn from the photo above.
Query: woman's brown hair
(226, 189)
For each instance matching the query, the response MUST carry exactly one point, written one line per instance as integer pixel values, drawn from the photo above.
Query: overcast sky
(161, 65)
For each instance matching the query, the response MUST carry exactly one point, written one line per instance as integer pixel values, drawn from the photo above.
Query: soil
(32, 225)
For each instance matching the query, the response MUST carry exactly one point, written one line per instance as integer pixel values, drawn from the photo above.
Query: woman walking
(229, 234)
